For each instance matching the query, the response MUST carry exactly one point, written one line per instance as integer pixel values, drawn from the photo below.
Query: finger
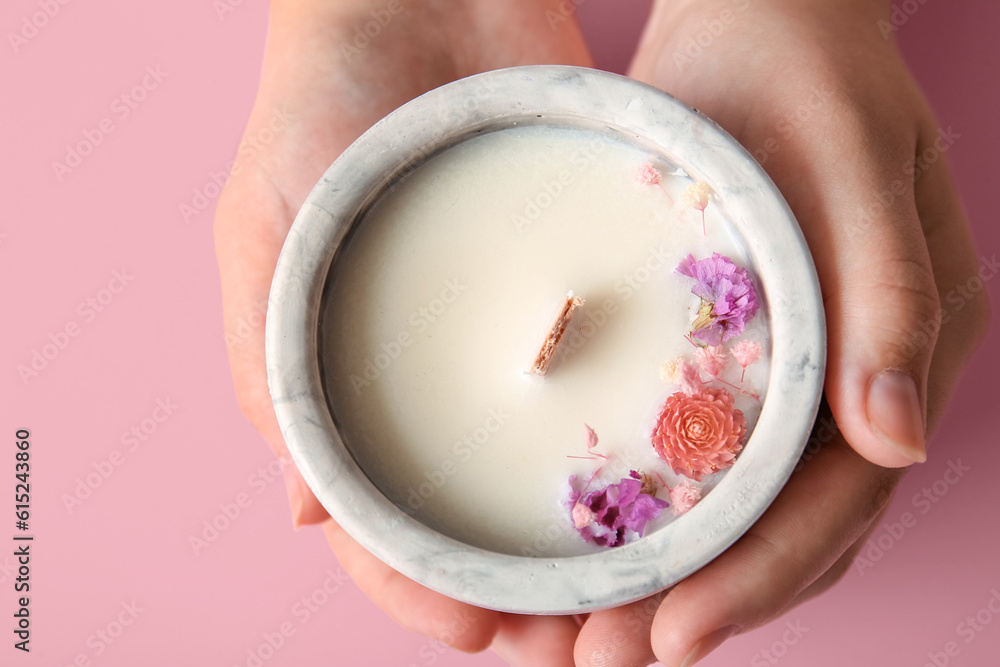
(836, 571)
(536, 641)
(878, 284)
(306, 508)
(618, 637)
(961, 275)
(412, 606)
(822, 512)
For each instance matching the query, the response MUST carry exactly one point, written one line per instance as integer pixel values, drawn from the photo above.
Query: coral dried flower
(699, 433)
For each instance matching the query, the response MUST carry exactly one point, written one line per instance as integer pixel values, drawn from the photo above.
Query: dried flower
(690, 379)
(728, 297)
(649, 485)
(670, 370)
(614, 515)
(683, 497)
(699, 433)
(582, 516)
(696, 196)
(711, 359)
(746, 352)
(679, 371)
(647, 174)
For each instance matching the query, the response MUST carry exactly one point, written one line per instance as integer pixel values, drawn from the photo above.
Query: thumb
(883, 311)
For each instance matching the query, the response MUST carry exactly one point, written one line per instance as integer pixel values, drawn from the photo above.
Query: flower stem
(667, 192)
(739, 389)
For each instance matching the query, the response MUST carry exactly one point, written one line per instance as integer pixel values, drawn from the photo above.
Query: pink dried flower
(746, 352)
(614, 515)
(728, 297)
(647, 174)
(683, 497)
(590, 440)
(711, 359)
(680, 371)
(699, 433)
(582, 516)
(689, 378)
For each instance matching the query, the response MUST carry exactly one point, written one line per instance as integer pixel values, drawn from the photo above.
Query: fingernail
(895, 416)
(296, 497)
(707, 644)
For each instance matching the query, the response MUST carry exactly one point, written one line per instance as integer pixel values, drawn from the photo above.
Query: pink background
(160, 337)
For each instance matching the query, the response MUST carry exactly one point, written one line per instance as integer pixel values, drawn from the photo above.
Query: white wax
(437, 307)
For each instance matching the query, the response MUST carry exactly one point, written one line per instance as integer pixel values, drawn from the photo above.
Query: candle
(497, 219)
(437, 306)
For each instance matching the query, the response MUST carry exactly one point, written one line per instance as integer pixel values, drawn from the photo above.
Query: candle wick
(547, 353)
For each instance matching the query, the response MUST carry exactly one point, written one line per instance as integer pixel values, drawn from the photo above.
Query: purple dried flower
(727, 296)
(614, 515)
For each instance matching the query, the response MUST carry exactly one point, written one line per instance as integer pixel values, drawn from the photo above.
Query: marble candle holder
(627, 111)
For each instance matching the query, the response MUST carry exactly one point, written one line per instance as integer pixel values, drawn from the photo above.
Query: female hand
(821, 97)
(331, 70)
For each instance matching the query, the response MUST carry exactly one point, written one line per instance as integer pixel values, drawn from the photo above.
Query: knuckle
(914, 278)
(900, 303)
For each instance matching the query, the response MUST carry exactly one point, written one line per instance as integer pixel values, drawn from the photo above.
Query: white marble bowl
(629, 111)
